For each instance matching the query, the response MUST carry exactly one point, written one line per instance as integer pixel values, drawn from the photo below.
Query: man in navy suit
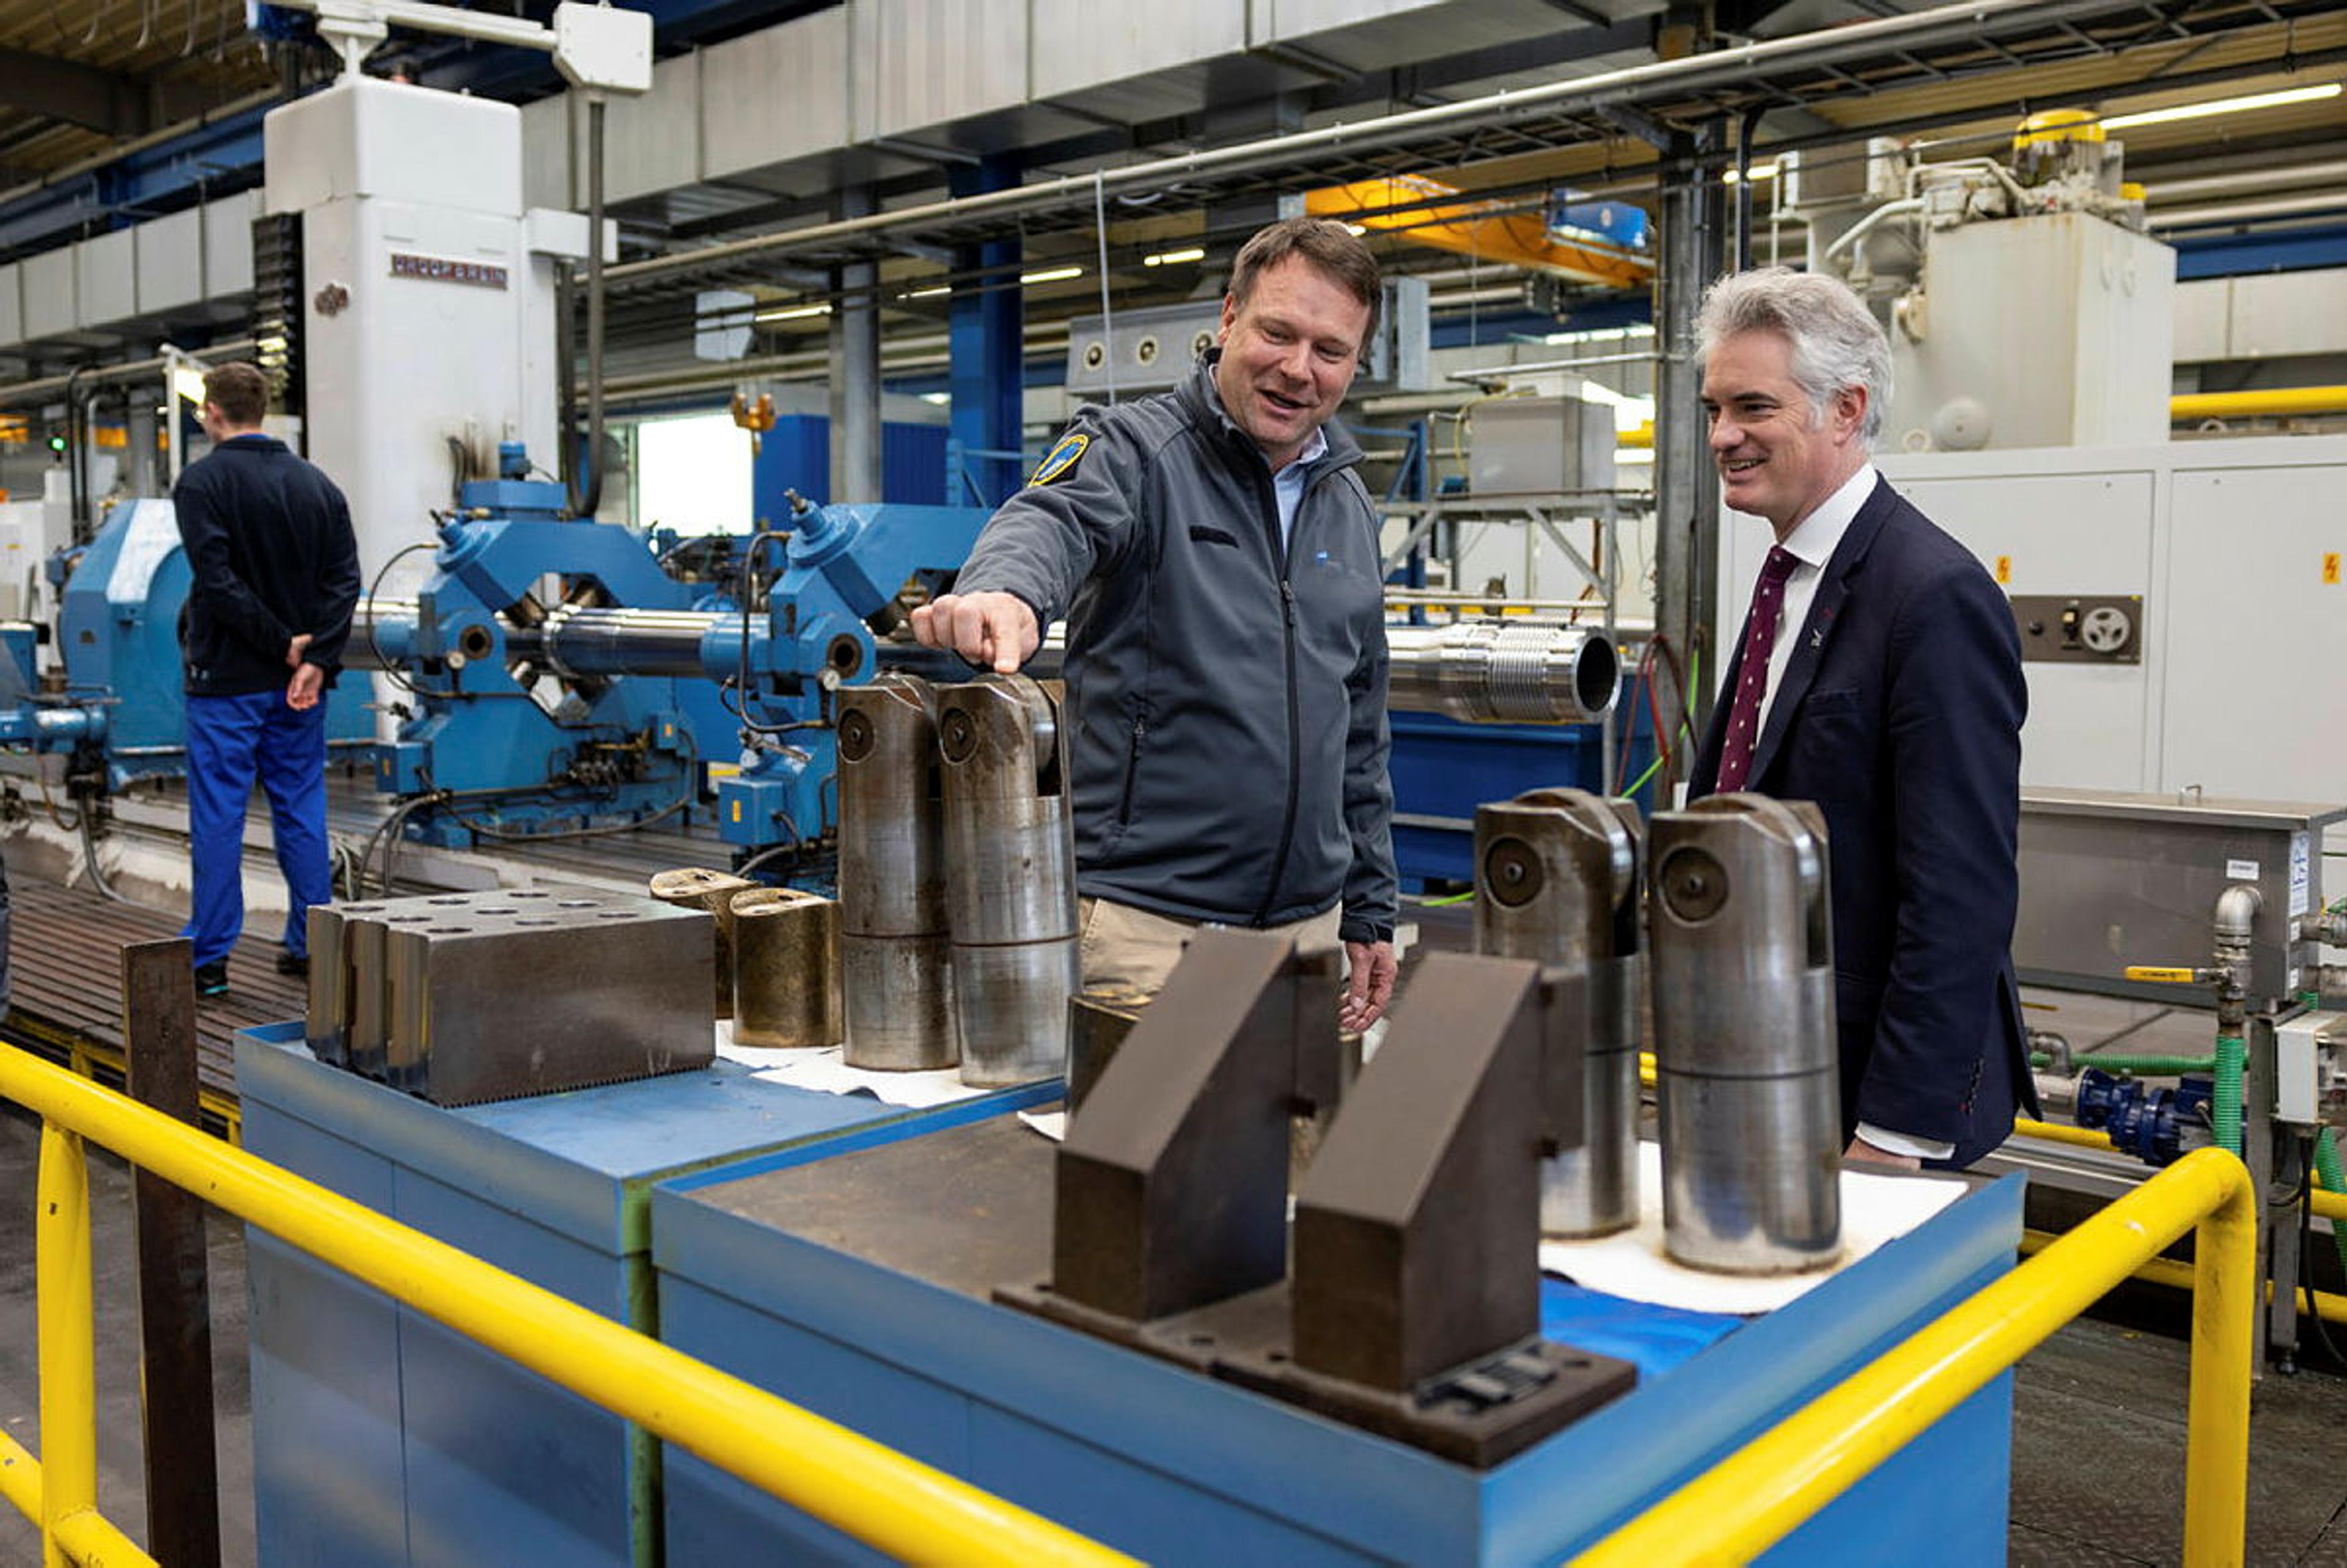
(1878, 675)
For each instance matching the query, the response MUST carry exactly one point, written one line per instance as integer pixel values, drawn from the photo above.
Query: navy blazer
(1899, 716)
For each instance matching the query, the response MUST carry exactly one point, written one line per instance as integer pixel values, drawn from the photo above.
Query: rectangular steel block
(499, 997)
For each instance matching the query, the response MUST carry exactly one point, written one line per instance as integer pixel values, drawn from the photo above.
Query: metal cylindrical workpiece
(1011, 877)
(785, 969)
(1557, 880)
(1502, 672)
(699, 888)
(1744, 1036)
(895, 947)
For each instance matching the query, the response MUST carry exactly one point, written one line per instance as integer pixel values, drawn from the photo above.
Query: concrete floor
(2098, 1439)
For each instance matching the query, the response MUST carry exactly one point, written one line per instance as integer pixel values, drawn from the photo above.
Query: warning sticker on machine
(2240, 871)
(2302, 874)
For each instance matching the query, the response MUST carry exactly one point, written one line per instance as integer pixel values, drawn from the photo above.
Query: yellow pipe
(2188, 407)
(69, 1396)
(1750, 1501)
(2059, 1133)
(2178, 1275)
(2225, 1295)
(20, 1478)
(2326, 1206)
(91, 1541)
(902, 1507)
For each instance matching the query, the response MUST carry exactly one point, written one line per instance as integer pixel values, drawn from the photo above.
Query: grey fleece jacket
(1228, 695)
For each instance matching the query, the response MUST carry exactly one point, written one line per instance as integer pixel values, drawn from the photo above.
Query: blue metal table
(859, 1285)
(381, 1437)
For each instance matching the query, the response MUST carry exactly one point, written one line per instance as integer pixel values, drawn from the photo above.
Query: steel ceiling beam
(1460, 131)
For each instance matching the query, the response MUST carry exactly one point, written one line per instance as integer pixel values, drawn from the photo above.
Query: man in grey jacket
(1215, 555)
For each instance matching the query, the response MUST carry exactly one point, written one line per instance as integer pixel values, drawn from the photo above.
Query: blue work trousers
(228, 740)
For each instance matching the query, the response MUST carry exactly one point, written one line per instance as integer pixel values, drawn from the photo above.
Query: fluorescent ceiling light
(930, 293)
(1355, 229)
(942, 399)
(795, 313)
(1052, 275)
(1174, 258)
(2222, 106)
(1759, 172)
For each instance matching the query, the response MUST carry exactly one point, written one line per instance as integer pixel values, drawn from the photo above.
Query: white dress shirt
(1813, 542)
(1287, 485)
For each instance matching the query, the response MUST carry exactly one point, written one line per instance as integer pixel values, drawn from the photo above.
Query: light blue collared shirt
(1287, 485)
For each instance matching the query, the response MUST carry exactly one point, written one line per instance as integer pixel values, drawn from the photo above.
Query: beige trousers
(1136, 950)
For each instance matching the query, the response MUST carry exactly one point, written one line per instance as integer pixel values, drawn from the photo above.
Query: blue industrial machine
(596, 704)
(114, 706)
(600, 707)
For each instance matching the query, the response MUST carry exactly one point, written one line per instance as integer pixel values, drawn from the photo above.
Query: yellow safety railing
(1759, 1494)
(898, 1505)
(2319, 1201)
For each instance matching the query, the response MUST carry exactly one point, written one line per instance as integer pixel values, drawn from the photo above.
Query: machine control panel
(2073, 629)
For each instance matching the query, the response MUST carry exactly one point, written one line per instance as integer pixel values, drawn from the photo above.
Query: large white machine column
(429, 311)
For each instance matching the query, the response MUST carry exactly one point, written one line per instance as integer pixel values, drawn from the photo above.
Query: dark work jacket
(1229, 694)
(1899, 716)
(270, 543)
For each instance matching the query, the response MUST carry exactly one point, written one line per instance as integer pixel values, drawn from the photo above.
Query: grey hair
(1836, 341)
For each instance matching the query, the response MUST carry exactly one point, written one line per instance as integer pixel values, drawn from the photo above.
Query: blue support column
(984, 328)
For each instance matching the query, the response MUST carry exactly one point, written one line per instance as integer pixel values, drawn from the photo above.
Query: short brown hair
(239, 391)
(1329, 245)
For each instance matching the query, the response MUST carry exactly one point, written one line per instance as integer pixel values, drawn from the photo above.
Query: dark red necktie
(1752, 683)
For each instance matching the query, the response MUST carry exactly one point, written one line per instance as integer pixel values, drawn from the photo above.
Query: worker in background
(1215, 556)
(276, 576)
(1878, 675)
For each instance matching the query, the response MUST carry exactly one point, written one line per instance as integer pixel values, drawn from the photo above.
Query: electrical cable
(740, 706)
(375, 648)
(2306, 1254)
(796, 844)
(48, 804)
(89, 858)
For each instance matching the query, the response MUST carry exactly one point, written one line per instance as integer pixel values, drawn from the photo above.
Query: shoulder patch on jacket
(1060, 461)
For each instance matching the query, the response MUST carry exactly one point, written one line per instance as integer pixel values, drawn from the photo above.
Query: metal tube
(901, 1507)
(1010, 884)
(712, 892)
(1558, 880)
(1750, 1113)
(895, 943)
(786, 968)
(1740, 1507)
(49, 387)
(1476, 672)
(1491, 673)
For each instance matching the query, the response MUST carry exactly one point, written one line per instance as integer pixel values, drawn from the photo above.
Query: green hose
(2327, 1166)
(2146, 1066)
(2225, 1116)
(2141, 1066)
